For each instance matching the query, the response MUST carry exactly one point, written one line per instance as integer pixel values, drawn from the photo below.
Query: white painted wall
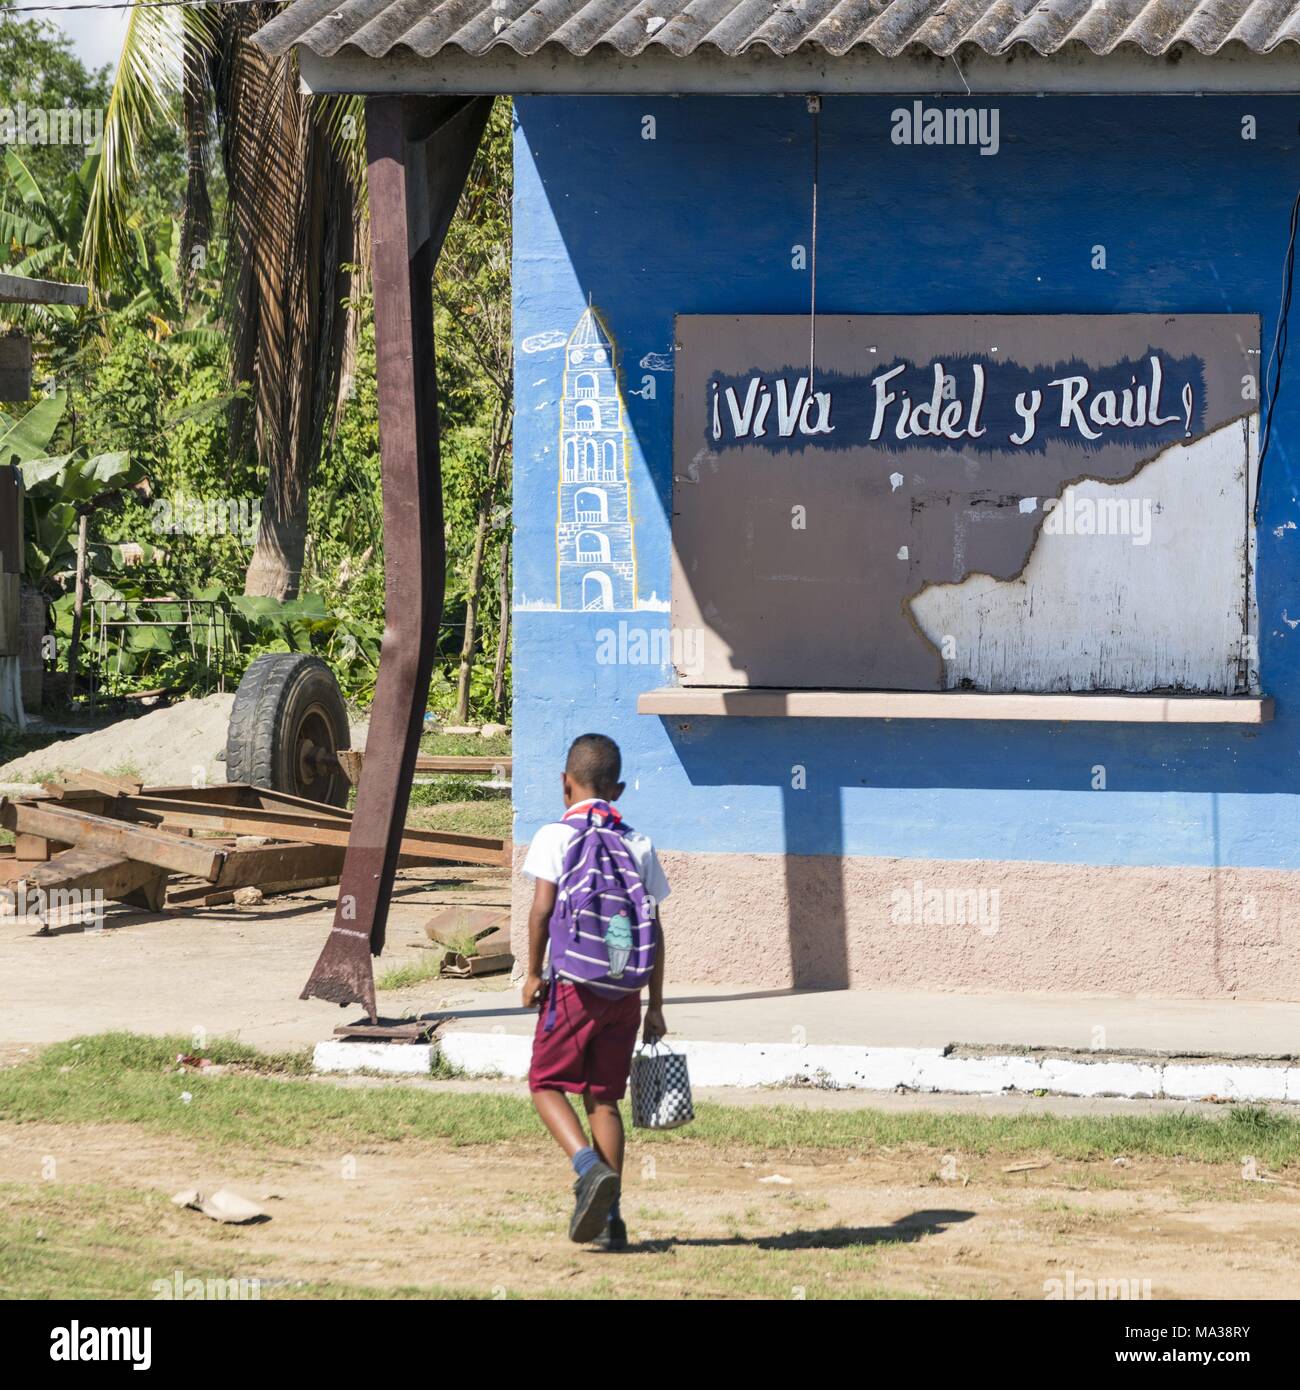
(1114, 611)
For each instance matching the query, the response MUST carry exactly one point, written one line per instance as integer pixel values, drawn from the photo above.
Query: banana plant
(58, 487)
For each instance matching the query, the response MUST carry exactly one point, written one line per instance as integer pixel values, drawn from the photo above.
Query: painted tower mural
(596, 552)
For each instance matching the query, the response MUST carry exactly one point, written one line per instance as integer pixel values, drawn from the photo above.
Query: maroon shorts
(589, 1049)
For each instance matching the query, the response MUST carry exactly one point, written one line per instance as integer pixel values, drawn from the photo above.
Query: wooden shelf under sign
(954, 704)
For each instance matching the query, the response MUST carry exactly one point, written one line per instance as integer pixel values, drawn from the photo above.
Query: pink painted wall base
(781, 921)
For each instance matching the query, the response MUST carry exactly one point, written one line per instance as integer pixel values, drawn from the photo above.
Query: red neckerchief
(602, 808)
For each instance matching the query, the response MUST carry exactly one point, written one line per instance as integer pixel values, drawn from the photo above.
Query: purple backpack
(602, 930)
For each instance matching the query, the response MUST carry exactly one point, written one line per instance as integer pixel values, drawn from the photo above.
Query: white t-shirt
(545, 858)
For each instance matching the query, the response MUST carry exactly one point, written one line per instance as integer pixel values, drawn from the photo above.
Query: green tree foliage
(38, 69)
(143, 398)
(476, 386)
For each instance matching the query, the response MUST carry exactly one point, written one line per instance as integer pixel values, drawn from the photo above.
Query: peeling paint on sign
(1142, 586)
(921, 511)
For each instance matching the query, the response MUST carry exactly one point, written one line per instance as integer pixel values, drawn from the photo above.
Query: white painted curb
(856, 1068)
(397, 1059)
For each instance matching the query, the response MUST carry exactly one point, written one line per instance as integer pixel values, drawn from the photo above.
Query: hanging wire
(815, 110)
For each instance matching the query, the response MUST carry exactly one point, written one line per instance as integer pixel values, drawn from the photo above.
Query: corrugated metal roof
(734, 27)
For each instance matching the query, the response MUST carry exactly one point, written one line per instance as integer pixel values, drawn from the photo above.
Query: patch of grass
(436, 788)
(460, 745)
(120, 1053)
(489, 816)
(120, 1078)
(124, 769)
(416, 973)
(82, 1241)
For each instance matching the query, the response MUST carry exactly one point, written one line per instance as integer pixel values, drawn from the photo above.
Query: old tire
(287, 724)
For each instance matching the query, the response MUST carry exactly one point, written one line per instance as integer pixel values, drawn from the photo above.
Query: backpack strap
(552, 993)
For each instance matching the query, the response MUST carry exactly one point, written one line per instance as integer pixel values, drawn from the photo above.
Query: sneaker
(593, 1195)
(613, 1237)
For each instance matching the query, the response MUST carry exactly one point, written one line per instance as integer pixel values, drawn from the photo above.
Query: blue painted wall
(702, 219)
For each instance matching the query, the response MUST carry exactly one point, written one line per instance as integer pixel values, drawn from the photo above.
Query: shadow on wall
(817, 763)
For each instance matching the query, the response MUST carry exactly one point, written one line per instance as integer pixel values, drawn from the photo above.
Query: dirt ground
(231, 972)
(704, 1223)
(489, 1220)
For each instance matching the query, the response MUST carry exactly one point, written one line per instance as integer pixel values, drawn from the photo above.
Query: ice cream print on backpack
(602, 930)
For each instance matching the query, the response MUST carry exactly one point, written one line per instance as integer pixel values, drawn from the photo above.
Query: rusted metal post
(419, 152)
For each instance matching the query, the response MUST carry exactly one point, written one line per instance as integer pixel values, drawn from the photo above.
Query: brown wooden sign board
(860, 512)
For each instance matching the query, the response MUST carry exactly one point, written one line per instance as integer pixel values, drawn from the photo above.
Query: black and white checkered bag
(661, 1089)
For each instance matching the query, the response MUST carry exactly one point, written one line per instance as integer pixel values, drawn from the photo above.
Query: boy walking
(597, 887)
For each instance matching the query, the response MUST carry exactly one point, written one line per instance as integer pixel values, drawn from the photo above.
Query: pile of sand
(174, 746)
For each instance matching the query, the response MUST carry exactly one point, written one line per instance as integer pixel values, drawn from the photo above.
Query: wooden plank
(269, 800)
(22, 289)
(113, 837)
(89, 871)
(10, 614)
(210, 896)
(351, 761)
(244, 794)
(31, 848)
(764, 703)
(470, 762)
(491, 955)
(109, 785)
(11, 520)
(222, 793)
(322, 826)
(15, 367)
(67, 791)
(282, 863)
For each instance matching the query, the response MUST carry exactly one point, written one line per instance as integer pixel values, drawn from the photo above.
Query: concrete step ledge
(863, 1068)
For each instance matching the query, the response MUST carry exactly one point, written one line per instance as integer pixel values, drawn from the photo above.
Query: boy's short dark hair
(594, 761)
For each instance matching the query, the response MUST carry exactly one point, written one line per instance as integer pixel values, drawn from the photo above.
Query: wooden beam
(352, 760)
(22, 289)
(15, 367)
(88, 778)
(245, 794)
(89, 871)
(113, 837)
(11, 520)
(286, 863)
(31, 848)
(318, 827)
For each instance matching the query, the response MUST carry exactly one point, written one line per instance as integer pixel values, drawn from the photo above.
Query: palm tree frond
(146, 83)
